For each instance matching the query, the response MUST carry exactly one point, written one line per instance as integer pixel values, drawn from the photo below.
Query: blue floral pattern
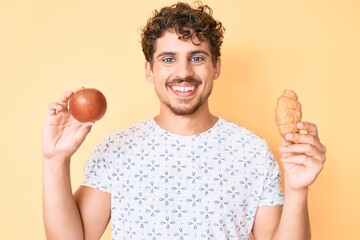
(164, 186)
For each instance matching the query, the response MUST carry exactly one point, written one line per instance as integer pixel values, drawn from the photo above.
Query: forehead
(171, 42)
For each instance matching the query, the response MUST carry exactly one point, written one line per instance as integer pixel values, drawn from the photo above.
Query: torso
(165, 186)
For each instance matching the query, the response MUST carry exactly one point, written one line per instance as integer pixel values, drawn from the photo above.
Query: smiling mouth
(183, 89)
(184, 86)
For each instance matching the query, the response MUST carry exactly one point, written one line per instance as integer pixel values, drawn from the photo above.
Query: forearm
(294, 222)
(61, 215)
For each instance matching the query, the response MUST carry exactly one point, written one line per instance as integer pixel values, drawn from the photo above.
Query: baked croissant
(288, 112)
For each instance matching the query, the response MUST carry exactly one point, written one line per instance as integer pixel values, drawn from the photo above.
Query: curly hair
(196, 24)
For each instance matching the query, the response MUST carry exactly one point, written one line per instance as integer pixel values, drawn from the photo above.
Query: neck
(186, 125)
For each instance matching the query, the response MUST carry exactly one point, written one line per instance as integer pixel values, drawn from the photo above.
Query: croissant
(288, 112)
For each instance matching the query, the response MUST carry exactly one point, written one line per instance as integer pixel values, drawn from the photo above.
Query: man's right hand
(62, 134)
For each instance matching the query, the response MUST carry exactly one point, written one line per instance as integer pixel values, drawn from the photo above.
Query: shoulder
(237, 131)
(139, 128)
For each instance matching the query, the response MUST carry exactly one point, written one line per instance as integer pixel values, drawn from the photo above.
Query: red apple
(87, 105)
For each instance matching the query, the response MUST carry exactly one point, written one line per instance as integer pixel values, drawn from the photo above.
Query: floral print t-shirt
(165, 186)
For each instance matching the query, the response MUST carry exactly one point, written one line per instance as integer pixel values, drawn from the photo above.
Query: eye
(196, 59)
(168, 60)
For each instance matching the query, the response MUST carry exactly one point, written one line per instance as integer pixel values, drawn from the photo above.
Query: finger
(285, 144)
(83, 131)
(310, 128)
(64, 99)
(303, 149)
(54, 108)
(298, 138)
(65, 96)
(304, 160)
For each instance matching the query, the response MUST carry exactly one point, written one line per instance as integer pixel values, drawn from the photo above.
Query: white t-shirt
(164, 186)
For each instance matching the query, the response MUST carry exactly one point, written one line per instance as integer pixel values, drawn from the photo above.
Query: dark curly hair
(196, 24)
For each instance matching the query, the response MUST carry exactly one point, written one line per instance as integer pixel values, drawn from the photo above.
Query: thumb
(82, 132)
(284, 144)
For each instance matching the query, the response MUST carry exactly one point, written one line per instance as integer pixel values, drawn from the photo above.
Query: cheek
(161, 75)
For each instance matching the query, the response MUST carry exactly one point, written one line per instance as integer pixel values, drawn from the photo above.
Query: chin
(186, 110)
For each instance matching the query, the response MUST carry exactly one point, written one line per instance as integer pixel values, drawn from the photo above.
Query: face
(182, 73)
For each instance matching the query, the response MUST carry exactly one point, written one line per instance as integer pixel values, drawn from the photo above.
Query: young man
(184, 174)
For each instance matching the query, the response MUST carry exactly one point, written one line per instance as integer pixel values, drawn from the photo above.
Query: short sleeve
(272, 193)
(97, 168)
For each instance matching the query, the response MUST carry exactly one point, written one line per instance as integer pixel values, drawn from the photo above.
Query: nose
(184, 69)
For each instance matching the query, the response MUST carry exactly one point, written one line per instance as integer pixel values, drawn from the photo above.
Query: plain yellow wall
(311, 46)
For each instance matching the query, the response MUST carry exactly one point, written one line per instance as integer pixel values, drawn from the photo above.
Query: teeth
(183, 89)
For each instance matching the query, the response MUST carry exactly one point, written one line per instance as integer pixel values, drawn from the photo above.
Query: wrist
(296, 194)
(56, 171)
(56, 162)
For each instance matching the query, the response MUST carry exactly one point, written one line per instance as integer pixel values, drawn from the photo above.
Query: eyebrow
(199, 51)
(165, 54)
(190, 53)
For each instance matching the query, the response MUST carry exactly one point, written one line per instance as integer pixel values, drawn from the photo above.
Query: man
(184, 174)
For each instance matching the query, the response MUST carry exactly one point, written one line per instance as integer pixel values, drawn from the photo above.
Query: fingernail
(289, 136)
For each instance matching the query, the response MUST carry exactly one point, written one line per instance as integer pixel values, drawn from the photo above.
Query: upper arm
(266, 221)
(94, 207)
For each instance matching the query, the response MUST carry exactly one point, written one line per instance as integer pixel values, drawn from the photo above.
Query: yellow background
(311, 46)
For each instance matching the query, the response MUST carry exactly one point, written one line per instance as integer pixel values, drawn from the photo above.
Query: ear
(217, 68)
(148, 72)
